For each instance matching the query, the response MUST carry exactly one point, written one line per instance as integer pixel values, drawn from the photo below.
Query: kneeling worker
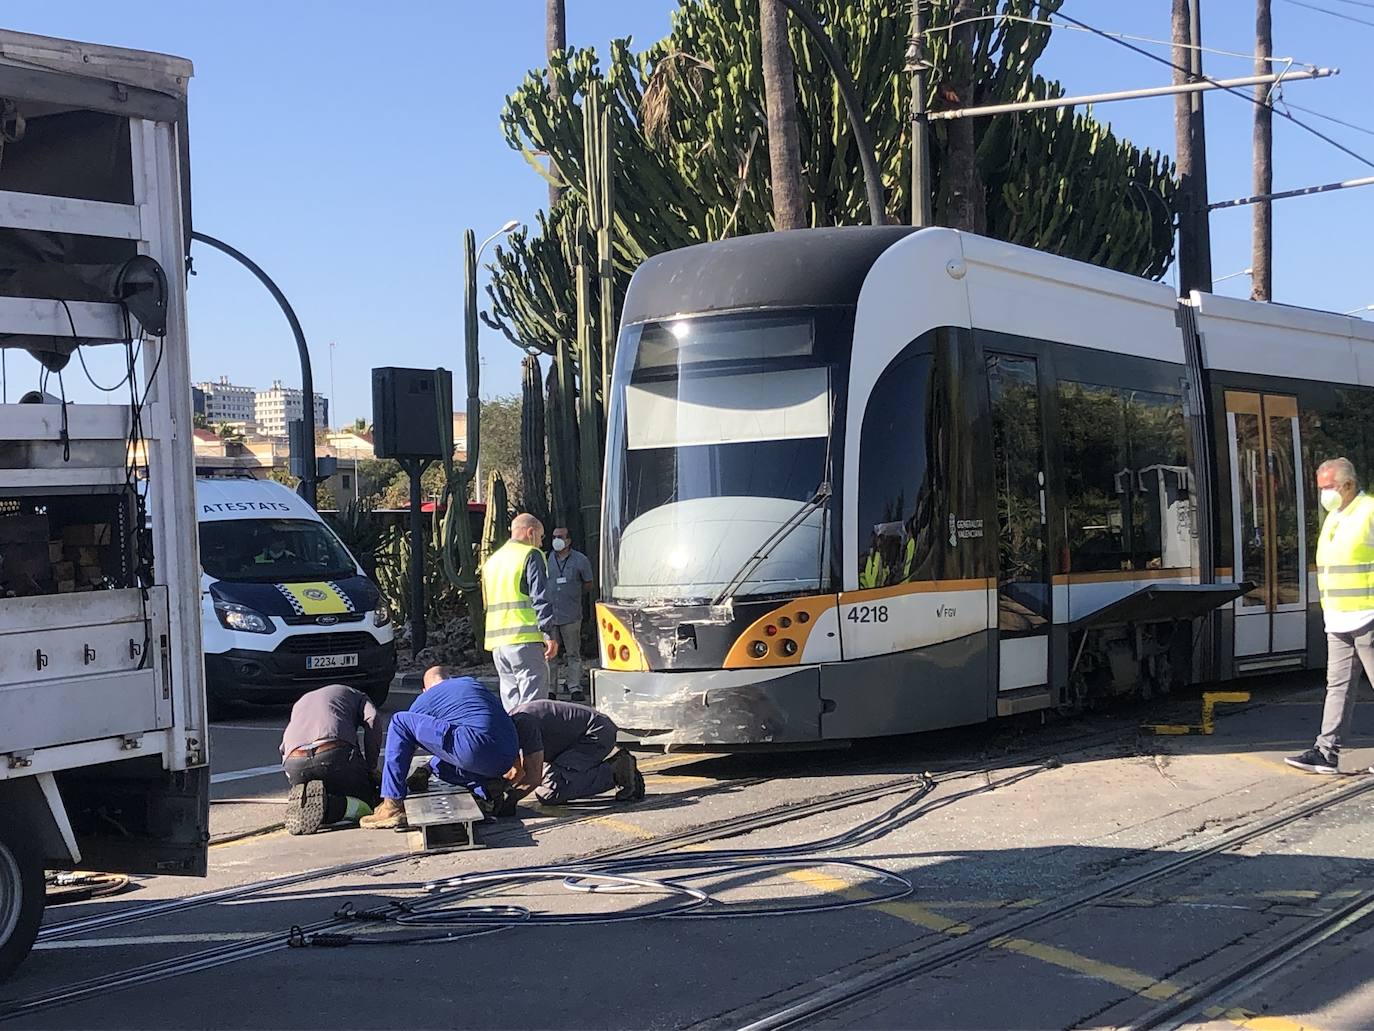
(461, 724)
(330, 779)
(564, 754)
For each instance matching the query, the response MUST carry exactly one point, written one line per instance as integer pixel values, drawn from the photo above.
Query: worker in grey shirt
(565, 753)
(570, 578)
(330, 778)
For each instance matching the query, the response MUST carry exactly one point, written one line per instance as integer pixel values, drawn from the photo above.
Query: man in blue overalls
(459, 722)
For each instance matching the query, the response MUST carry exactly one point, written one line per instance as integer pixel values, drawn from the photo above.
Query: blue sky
(346, 151)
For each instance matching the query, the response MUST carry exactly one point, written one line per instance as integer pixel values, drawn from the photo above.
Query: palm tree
(360, 426)
(780, 88)
(555, 41)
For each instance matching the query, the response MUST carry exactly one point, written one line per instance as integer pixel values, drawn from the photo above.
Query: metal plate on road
(331, 661)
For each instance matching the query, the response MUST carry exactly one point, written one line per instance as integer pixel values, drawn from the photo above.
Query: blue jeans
(461, 755)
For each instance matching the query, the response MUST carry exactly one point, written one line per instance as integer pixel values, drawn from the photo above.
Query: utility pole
(920, 129)
(1194, 237)
(1262, 226)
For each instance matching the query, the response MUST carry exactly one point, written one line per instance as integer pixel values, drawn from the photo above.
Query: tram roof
(798, 268)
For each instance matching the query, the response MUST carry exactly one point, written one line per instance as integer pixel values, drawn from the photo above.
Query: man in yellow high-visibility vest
(520, 631)
(1345, 578)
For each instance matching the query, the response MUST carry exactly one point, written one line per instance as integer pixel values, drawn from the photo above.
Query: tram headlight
(789, 646)
(770, 630)
(803, 617)
(785, 622)
(624, 653)
(758, 649)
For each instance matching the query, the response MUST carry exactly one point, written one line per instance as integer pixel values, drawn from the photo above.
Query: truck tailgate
(81, 667)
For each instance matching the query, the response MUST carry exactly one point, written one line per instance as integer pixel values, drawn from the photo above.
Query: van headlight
(381, 615)
(242, 618)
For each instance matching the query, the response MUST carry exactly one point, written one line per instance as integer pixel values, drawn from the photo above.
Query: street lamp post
(307, 488)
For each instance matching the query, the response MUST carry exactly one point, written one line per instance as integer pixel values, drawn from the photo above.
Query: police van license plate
(331, 661)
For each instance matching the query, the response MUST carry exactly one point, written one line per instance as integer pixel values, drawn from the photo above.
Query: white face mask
(1329, 498)
(559, 544)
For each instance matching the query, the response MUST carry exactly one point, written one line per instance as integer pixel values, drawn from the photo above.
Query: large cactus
(456, 540)
(496, 526)
(687, 122)
(534, 470)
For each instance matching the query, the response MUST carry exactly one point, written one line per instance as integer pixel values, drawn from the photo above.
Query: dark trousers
(581, 770)
(343, 771)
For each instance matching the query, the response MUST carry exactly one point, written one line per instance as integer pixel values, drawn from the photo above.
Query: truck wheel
(22, 893)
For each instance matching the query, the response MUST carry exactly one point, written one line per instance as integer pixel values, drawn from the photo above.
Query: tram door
(1023, 575)
(1267, 523)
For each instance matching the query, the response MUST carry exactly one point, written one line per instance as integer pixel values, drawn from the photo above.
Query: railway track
(1210, 995)
(237, 951)
(792, 1009)
(232, 952)
(67, 929)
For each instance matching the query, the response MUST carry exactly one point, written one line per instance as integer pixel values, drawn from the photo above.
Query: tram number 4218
(867, 614)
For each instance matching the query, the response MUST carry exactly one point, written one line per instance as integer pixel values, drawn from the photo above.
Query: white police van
(284, 607)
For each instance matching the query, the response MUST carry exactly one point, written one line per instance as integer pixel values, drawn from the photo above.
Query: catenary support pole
(920, 124)
(1194, 241)
(308, 481)
(1262, 222)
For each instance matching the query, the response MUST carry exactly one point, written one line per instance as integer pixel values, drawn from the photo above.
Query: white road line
(151, 939)
(256, 771)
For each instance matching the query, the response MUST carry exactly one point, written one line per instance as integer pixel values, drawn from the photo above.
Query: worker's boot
(390, 815)
(418, 781)
(628, 780)
(305, 808)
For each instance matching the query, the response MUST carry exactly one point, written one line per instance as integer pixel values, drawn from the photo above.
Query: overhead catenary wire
(1022, 19)
(1333, 14)
(1125, 40)
(1330, 118)
(1229, 89)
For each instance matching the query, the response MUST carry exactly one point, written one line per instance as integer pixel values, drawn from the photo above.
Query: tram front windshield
(720, 437)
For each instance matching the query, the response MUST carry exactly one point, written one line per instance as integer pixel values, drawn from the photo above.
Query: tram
(878, 480)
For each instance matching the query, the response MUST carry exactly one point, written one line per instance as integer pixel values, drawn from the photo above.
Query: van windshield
(273, 551)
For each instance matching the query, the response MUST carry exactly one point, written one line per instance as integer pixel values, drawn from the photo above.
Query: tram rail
(862, 987)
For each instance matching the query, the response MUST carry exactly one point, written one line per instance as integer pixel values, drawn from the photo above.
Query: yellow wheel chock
(1210, 700)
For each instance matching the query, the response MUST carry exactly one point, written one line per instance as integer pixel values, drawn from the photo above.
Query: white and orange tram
(872, 481)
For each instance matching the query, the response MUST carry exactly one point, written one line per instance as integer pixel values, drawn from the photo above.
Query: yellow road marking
(1266, 762)
(623, 826)
(1257, 1022)
(678, 778)
(1134, 981)
(902, 909)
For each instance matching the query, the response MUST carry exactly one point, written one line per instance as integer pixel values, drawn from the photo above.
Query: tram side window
(1340, 428)
(1128, 489)
(899, 458)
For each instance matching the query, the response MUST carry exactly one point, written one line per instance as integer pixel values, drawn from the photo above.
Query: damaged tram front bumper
(713, 707)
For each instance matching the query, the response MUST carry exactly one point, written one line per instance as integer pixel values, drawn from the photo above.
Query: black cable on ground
(448, 907)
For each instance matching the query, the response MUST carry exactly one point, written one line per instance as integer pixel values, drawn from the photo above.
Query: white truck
(103, 736)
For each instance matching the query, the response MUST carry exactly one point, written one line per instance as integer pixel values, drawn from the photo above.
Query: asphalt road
(1176, 839)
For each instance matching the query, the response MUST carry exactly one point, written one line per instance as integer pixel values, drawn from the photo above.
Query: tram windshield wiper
(779, 535)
